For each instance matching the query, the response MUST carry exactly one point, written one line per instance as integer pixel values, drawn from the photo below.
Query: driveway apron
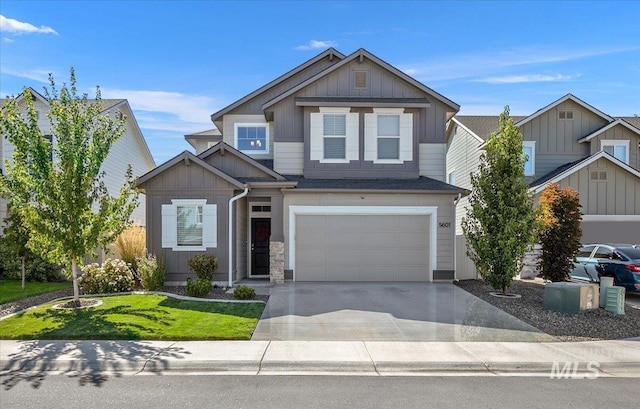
(386, 312)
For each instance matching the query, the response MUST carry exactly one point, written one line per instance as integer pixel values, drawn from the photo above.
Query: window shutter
(370, 137)
(315, 136)
(406, 137)
(353, 136)
(169, 226)
(210, 226)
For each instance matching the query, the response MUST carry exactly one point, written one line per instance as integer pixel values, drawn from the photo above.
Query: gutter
(230, 234)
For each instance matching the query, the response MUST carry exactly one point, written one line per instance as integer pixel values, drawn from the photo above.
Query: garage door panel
(377, 240)
(408, 273)
(340, 224)
(346, 274)
(311, 257)
(380, 257)
(413, 240)
(340, 240)
(412, 257)
(412, 224)
(344, 258)
(379, 224)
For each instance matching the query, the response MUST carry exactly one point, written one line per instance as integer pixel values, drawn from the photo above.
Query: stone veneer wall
(276, 262)
(531, 259)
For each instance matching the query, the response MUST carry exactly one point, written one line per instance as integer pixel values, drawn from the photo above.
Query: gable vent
(361, 79)
(568, 115)
(598, 175)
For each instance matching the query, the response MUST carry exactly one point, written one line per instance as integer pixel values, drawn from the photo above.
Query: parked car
(620, 261)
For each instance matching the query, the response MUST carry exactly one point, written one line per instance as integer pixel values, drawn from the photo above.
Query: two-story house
(333, 171)
(571, 143)
(130, 149)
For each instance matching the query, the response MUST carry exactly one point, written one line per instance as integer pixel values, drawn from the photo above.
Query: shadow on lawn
(89, 361)
(243, 310)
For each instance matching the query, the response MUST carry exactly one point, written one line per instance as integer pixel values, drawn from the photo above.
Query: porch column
(276, 242)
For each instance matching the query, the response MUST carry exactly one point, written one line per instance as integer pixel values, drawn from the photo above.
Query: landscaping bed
(590, 325)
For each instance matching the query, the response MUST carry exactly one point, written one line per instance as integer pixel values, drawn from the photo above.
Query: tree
(499, 226)
(15, 239)
(64, 202)
(559, 231)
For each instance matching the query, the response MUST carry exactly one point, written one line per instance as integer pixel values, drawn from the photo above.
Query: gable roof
(561, 100)
(481, 126)
(606, 128)
(330, 52)
(224, 147)
(567, 170)
(633, 120)
(188, 157)
(362, 53)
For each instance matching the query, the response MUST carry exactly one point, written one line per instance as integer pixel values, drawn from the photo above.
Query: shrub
(559, 231)
(37, 269)
(204, 265)
(242, 292)
(152, 272)
(113, 276)
(131, 245)
(198, 288)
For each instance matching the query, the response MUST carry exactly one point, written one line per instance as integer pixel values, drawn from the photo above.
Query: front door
(260, 232)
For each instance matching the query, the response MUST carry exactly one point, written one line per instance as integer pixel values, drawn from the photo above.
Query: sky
(177, 62)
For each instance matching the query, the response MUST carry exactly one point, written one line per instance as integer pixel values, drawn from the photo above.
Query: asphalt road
(309, 392)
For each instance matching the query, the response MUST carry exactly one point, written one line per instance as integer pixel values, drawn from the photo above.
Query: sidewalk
(580, 359)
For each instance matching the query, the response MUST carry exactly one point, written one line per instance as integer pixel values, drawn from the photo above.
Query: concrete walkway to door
(386, 312)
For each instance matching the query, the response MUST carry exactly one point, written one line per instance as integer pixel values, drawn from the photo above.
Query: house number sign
(444, 225)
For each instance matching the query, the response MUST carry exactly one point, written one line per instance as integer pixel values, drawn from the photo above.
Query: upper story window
(451, 178)
(617, 149)
(334, 135)
(189, 225)
(388, 136)
(252, 138)
(566, 115)
(529, 149)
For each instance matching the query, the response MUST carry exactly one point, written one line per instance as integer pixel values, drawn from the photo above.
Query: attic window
(566, 115)
(360, 79)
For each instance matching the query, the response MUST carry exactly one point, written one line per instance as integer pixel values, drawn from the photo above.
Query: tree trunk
(504, 290)
(24, 270)
(74, 275)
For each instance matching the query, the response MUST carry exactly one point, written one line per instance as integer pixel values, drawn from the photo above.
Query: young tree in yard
(64, 202)
(16, 236)
(500, 223)
(559, 231)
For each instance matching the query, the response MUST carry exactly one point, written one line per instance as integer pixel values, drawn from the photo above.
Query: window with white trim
(529, 149)
(451, 178)
(617, 149)
(388, 136)
(334, 135)
(189, 225)
(252, 138)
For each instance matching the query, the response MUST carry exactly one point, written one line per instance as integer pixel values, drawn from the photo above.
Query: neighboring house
(571, 143)
(130, 149)
(333, 171)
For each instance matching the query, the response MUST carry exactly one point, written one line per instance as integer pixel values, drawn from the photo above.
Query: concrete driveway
(386, 312)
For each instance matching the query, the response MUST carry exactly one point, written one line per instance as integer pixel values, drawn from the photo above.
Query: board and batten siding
(619, 133)
(557, 139)
(431, 159)
(444, 203)
(228, 131)
(232, 165)
(288, 158)
(184, 181)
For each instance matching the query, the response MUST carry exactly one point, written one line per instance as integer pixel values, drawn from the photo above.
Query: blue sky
(178, 62)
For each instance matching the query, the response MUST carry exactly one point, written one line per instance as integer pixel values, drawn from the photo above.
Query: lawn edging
(176, 296)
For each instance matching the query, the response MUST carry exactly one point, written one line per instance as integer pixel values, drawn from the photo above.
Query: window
(451, 178)
(334, 135)
(585, 252)
(252, 138)
(529, 149)
(565, 115)
(189, 225)
(388, 136)
(603, 252)
(50, 139)
(617, 149)
(598, 175)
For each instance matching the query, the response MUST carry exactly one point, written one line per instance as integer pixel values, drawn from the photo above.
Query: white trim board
(611, 218)
(431, 211)
(606, 128)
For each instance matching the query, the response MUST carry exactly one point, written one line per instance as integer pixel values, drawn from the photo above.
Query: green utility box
(571, 298)
(615, 300)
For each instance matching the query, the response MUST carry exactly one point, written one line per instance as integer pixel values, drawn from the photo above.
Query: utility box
(571, 298)
(615, 300)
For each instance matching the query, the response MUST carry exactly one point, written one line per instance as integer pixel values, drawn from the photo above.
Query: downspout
(455, 245)
(230, 234)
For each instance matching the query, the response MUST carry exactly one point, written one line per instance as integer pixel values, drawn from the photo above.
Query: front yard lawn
(137, 316)
(11, 290)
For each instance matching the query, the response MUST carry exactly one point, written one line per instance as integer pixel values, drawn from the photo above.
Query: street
(308, 392)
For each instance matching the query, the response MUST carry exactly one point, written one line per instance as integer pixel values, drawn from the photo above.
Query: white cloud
(34, 75)
(7, 40)
(316, 44)
(168, 111)
(10, 25)
(516, 79)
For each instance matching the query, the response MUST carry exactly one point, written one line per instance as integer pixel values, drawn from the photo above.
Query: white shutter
(169, 226)
(209, 226)
(370, 137)
(406, 137)
(353, 136)
(315, 136)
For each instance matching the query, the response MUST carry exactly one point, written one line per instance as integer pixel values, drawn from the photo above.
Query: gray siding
(232, 165)
(620, 133)
(557, 140)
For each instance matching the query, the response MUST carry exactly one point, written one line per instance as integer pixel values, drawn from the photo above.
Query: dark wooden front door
(260, 232)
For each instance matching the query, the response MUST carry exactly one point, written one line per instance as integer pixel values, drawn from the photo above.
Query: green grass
(133, 317)
(10, 290)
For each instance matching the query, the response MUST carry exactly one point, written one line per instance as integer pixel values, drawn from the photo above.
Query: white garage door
(362, 247)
